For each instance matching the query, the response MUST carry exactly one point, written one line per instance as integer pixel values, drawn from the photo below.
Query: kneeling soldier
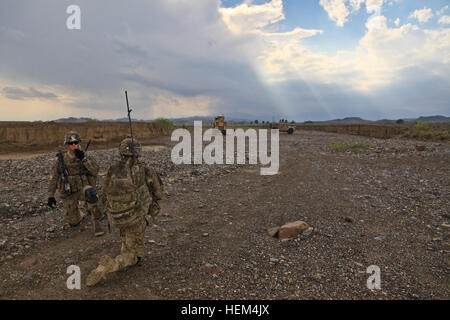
(132, 190)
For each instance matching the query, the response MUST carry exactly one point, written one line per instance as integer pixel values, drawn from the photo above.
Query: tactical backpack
(127, 194)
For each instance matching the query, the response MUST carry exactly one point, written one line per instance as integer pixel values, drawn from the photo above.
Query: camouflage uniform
(132, 190)
(82, 177)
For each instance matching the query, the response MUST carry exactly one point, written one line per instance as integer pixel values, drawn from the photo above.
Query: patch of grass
(165, 122)
(352, 146)
(421, 125)
(432, 131)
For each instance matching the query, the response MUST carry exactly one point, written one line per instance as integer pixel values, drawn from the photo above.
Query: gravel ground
(386, 205)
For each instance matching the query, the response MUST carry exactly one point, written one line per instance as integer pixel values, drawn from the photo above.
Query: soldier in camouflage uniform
(132, 190)
(82, 176)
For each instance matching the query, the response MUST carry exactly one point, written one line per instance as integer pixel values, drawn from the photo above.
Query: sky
(293, 59)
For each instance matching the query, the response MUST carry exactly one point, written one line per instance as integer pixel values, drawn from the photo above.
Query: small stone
(292, 229)
(51, 229)
(28, 277)
(208, 267)
(348, 219)
(274, 260)
(420, 148)
(205, 234)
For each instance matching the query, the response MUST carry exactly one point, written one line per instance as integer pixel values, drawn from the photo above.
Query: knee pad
(91, 195)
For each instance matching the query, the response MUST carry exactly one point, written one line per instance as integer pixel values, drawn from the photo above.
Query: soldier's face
(73, 145)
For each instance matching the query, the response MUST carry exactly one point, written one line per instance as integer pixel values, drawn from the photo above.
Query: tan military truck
(283, 126)
(220, 124)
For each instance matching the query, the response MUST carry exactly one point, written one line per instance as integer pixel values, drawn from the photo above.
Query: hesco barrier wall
(370, 130)
(17, 135)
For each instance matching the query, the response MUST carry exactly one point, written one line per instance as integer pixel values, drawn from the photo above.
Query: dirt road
(387, 206)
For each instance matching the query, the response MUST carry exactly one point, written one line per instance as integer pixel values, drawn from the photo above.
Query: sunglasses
(73, 142)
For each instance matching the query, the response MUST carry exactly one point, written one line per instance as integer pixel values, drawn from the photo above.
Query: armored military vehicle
(283, 126)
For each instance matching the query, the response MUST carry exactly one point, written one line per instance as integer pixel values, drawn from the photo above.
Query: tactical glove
(51, 202)
(79, 154)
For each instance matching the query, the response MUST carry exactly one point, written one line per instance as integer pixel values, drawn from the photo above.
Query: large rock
(292, 229)
(273, 232)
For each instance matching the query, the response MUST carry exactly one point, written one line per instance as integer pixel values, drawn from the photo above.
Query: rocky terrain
(385, 205)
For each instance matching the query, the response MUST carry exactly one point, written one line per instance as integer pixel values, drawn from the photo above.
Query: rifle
(129, 120)
(63, 174)
(88, 145)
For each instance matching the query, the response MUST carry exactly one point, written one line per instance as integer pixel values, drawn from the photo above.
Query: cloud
(374, 5)
(175, 106)
(297, 34)
(16, 93)
(441, 11)
(444, 20)
(337, 10)
(356, 4)
(184, 50)
(422, 15)
(397, 22)
(248, 17)
(380, 59)
(179, 58)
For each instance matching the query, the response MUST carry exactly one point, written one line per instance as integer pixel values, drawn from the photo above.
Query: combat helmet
(71, 136)
(125, 148)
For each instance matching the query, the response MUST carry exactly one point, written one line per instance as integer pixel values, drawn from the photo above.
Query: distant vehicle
(283, 126)
(220, 124)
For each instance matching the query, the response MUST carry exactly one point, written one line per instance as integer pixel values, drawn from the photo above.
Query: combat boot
(78, 221)
(98, 229)
(106, 265)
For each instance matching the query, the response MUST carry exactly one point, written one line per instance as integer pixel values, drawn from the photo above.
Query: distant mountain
(125, 120)
(434, 119)
(208, 120)
(349, 120)
(385, 121)
(429, 119)
(72, 119)
(357, 120)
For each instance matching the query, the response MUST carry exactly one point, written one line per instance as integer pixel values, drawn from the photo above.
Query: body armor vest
(78, 175)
